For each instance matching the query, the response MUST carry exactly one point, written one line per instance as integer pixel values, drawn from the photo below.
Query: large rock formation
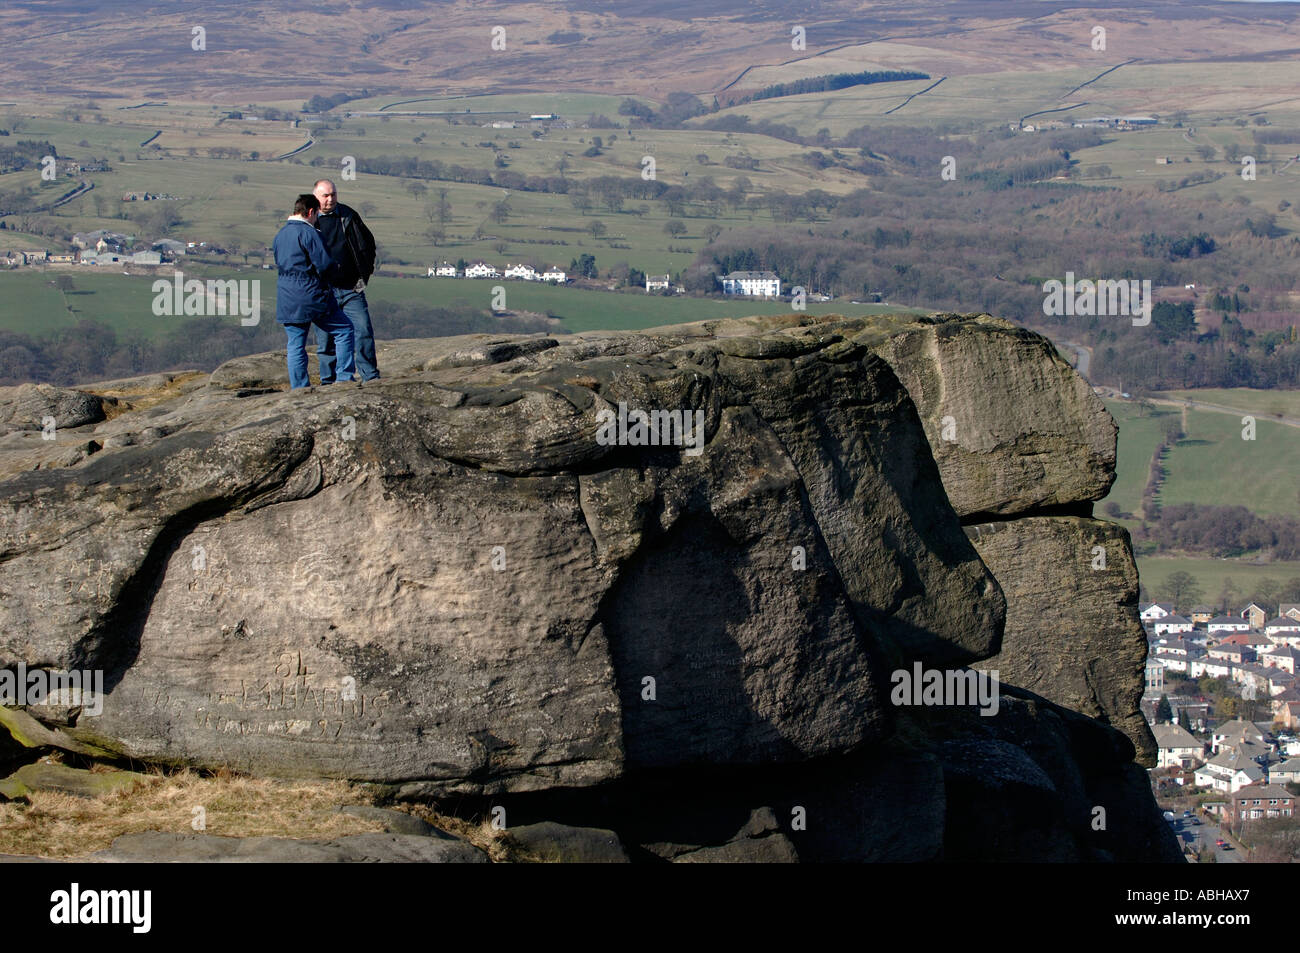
(450, 581)
(1025, 447)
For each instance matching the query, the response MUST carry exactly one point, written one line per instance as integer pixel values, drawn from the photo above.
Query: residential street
(1206, 833)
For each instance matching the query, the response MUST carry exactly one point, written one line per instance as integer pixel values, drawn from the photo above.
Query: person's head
(307, 206)
(326, 194)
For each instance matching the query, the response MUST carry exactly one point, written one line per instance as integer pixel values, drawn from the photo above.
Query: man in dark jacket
(352, 247)
(302, 298)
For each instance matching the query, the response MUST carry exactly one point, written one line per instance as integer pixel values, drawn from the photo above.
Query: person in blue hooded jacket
(304, 297)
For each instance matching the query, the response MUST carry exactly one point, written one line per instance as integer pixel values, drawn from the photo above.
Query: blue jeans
(335, 326)
(354, 306)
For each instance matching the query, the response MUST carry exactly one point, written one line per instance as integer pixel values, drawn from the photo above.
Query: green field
(577, 105)
(546, 228)
(1210, 574)
(1247, 400)
(125, 302)
(582, 310)
(1138, 437)
(978, 99)
(1208, 90)
(1213, 465)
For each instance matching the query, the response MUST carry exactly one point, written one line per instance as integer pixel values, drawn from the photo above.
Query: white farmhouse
(657, 283)
(753, 284)
(523, 272)
(554, 273)
(481, 269)
(445, 270)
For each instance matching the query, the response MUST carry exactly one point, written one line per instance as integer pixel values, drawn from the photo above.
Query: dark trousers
(354, 306)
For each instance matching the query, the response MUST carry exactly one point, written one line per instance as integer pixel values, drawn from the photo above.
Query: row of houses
(1284, 626)
(1271, 685)
(1254, 616)
(16, 259)
(102, 247)
(481, 269)
(102, 240)
(119, 258)
(1258, 652)
(1239, 754)
(754, 284)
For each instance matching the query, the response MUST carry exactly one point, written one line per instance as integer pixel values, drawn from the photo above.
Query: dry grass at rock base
(492, 841)
(63, 826)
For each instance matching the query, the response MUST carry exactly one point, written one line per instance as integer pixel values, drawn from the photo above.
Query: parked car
(1220, 842)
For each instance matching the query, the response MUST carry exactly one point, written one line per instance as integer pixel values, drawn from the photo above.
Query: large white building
(753, 284)
(481, 269)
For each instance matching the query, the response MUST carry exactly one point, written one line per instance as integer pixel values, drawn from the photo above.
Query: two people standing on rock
(324, 255)
(302, 297)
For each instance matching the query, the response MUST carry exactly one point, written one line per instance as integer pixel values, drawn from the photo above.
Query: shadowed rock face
(1072, 632)
(450, 581)
(1017, 437)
